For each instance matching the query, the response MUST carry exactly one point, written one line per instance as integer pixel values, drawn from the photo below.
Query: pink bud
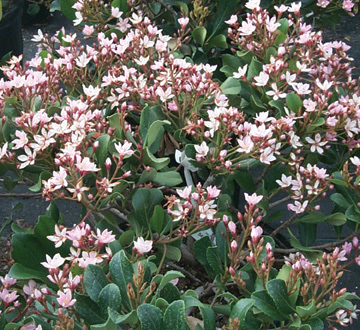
(233, 246)
(232, 228)
(355, 242)
(232, 271)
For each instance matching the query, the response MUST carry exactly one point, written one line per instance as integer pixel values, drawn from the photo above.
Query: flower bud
(233, 246)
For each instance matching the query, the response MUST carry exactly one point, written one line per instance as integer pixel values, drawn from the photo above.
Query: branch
(323, 246)
(12, 195)
(284, 225)
(184, 271)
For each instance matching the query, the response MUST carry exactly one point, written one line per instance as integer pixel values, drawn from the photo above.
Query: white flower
(316, 145)
(297, 207)
(142, 246)
(262, 79)
(253, 199)
(253, 4)
(241, 72)
(201, 150)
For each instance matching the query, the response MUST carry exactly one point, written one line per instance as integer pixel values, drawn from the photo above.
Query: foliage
(164, 148)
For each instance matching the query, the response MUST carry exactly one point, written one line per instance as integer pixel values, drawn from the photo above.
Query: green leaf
(151, 160)
(150, 317)
(283, 274)
(129, 318)
(218, 41)
(102, 151)
(306, 311)
(221, 241)
(88, 309)
(108, 325)
(214, 260)
(148, 116)
(154, 135)
(199, 35)
(114, 122)
(67, 9)
(307, 233)
(94, 281)
(45, 175)
(315, 324)
(223, 12)
(231, 86)
(174, 317)
(297, 245)
(20, 272)
(110, 297)
(340, 200)
(170, 293)
(278, 292)
(144, 202)
(336, 219)
(240, 310)
(157, 219)
(293, 102)
(199, 247)
(266, 304)
(170, 275)
(254, 69)
(121, 4)
(208, 316)
(168, 179)
(122, 273)
(313, 217)
(352, 213)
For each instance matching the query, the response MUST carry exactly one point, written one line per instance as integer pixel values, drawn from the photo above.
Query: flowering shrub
(171, 163)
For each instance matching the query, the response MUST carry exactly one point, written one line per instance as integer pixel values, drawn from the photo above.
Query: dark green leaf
(231, 86)
(67, 9)
(278, 292)
(293, 102)
(208, 316)
(122, 273)
(174, 317)
(157, 219)
(170, 293)
(264, 302)
(307, 233)
(94, 281)
(240, 310)
(150, 317)
(168, 179)
(214, 260)
(88, 310)
(199, 35)
(110, 297)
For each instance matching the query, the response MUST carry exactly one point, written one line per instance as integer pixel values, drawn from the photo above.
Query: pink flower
(88, 30)
(256, 232)
(253, 199)
(213, 192)
(183, 21)
(142, 246)
(347, 5)
(124, 149)
(59, 238)
(104, 237)
(7, 281)
(8, 297)
(233, 19)
(85, 165)
(53, 263)
(21, 141)
(65, 299)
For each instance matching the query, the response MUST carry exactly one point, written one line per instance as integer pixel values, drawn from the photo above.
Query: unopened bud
(233, 246)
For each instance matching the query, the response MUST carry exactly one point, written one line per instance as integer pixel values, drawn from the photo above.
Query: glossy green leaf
(151, 317)
(293, 102)
(121, 271)
(214, 260)
(170, 275)
(208, 316)
(103, 148)
(218, 41)
(231, 86)
(67, 9)
(199, 35)
(265, 303)
(170, 293)
(168, 179)
(240, 310)
(110, 297)
(306, 311)
(151, 160)
(94, 281)
(278, 292)
(88, 310)
(108, 325)
(129, 318)
(174, 317)
(336, 219)
(157, 219)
